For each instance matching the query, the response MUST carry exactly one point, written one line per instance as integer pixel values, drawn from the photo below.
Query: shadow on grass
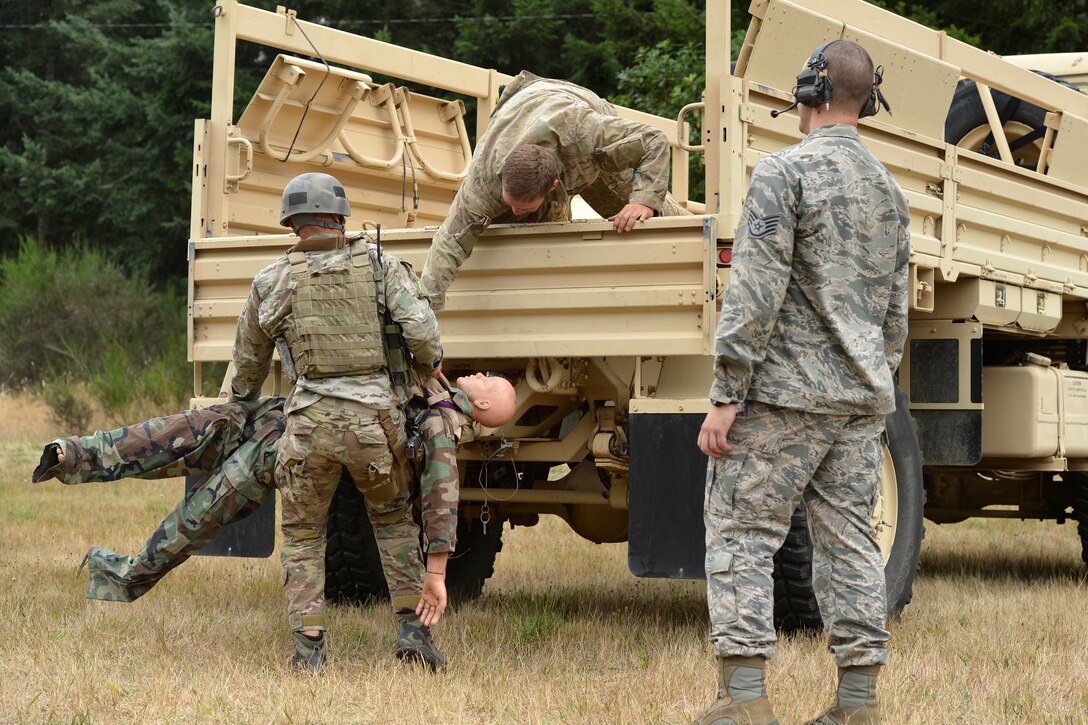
(1002, 564)
(584, 602)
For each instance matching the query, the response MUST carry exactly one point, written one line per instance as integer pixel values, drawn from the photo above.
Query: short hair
(529, 172)
(851, 71)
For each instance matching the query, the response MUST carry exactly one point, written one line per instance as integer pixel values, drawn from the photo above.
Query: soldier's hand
(715, 430)
(625, 220)
(432, 603)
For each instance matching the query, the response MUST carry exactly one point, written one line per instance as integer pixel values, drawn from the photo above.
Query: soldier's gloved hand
(432, 603)
(625, 220)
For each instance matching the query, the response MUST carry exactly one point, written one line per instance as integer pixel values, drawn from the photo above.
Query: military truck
(608, 339)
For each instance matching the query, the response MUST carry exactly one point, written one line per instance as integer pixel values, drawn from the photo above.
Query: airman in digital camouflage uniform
(547, 141)
(811, 332)
(324, 301)
(236, 444)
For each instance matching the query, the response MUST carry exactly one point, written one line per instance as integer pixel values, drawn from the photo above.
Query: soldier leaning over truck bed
(547, 141)
(235, 443)
(811, 332)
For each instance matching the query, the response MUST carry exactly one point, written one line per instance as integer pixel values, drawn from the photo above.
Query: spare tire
(967, 126)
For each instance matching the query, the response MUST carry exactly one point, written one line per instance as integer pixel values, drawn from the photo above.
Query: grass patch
(563, 633)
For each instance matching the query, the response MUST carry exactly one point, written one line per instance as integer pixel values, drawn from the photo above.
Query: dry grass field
(998, 631)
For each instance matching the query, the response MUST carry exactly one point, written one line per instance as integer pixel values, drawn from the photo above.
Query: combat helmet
(313, 193)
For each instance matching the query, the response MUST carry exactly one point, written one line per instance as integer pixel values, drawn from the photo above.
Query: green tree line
(99, 96)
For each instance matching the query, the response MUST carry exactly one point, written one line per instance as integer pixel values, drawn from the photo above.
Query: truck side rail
(539, 290)
(971, 215)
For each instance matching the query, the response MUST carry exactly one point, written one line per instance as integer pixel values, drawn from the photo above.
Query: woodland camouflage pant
(232, 492)
(780, 456)
(234, 442)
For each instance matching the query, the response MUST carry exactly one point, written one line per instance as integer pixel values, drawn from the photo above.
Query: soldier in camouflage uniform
(811, 332)
(235, 443)
(549, 140)
(326, 302)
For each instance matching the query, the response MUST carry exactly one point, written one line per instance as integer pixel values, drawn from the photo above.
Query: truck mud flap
(253, 536)
(942, 372)
(665, 509)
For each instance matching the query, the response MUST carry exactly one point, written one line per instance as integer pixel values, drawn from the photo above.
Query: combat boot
(309, 653)
(856, 701)
(741, 699)
(414, 641)
(115, 577)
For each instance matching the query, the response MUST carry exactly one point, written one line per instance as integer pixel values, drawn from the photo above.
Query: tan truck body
(611, 335)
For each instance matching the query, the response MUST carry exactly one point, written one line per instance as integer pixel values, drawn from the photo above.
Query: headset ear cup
(873, 103)
(870, 107)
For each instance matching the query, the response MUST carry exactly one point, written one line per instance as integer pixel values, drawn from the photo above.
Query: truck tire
(795, 607)
(1080, 511)
(474, 561)
(902, 492)
(353, 570)
(966, 125)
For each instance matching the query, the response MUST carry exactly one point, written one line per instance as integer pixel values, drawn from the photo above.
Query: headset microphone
(787, 109)
(813, 84)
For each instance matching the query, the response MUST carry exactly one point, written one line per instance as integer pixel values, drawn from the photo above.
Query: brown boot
(741, 699)
(856, 702)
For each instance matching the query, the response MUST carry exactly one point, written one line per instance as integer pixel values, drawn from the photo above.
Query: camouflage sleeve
(252, 353)
(762, 260)
(438, 484)
(895, 322)
(475, 205)
(622, 145)
(194, 441)
(415, 317)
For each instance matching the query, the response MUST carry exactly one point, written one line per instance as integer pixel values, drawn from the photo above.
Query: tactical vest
(334, 328)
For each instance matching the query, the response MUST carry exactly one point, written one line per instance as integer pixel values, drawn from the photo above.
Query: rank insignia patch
(759, 227)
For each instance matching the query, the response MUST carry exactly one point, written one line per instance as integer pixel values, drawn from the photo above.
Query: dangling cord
(306, 106)
(409, 216)
(485, 510)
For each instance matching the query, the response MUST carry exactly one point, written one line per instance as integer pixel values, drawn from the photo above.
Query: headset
(814, 86)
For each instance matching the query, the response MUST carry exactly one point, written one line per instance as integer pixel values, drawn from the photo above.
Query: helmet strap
(310, 220)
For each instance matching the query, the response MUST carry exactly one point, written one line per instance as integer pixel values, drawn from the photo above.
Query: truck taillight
(725, 255)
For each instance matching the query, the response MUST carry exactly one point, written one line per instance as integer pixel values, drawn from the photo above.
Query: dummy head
(493, 398)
